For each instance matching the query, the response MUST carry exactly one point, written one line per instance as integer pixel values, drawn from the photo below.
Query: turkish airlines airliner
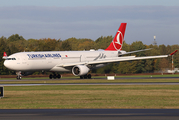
(77, 62)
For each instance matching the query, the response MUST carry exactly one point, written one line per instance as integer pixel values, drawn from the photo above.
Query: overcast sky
(62, 19)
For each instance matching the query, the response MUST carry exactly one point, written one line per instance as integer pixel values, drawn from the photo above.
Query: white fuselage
(48, 60)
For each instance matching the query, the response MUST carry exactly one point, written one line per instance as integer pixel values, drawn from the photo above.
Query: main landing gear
(54, 76)
(87, 76)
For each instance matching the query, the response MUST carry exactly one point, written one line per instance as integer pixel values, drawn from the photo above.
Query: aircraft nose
(6, 64)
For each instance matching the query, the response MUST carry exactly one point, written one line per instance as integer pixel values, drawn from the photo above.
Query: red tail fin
(4, 55)
(116, 44)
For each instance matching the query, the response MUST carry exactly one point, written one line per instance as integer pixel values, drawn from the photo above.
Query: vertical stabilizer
(4, 55)
(116, 44)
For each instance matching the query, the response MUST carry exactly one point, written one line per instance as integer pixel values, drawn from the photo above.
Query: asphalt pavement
(90, 114)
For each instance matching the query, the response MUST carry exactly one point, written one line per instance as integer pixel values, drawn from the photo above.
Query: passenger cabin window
(11, 59)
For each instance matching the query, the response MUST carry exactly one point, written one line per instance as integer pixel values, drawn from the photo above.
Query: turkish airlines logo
(117, 42)
(5, 54)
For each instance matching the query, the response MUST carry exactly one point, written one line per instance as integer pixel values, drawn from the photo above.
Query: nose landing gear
(18, 75)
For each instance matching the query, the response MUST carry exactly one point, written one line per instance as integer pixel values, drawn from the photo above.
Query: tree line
(16, 43)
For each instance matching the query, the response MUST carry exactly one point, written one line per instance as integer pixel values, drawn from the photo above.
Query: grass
(90, 96)
(121, 76)
(170, 75)
(93, 96)
(41, 81)
(134, 76)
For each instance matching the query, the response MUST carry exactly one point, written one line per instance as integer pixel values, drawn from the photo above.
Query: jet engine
(80, 70)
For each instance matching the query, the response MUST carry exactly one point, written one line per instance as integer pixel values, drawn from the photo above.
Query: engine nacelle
(80, 70)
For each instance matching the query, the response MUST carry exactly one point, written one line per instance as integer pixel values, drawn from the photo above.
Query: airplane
(77, 62)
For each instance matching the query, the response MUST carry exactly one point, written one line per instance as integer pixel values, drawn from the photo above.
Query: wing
(109, 60)
(113, 59)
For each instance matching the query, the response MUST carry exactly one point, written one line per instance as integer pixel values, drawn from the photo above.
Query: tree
(127, 67)
(140, 65)
(47, 44)
(86, 44)
(15, 37)
(163, 49)
(138, 45)
(103, 42)
(149, 65)
(3, 48)
(163, 64)
(32, 45)
(125, 46)
(66, 46)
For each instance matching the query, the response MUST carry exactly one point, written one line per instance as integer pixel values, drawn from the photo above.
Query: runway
(90, 114)
(98, 78)
(89, 84)
(104, 83)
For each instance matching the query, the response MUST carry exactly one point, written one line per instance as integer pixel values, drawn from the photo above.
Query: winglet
(4, 55)
(173, 53)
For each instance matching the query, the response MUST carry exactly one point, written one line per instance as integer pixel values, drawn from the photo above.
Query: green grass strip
(93, 96)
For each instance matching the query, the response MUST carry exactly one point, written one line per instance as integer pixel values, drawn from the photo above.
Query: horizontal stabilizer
(125, 53)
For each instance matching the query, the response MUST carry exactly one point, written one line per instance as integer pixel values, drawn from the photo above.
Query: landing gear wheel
(18, 77)
(89, 76)
(85, 76)
(54, 76)
(50, 76)
(81, 77)
(58, 76)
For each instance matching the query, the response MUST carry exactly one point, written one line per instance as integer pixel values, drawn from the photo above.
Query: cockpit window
(11, 59)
